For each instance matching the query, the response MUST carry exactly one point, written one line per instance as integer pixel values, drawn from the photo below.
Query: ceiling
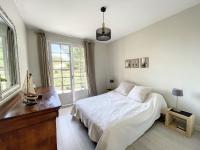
(81, 18)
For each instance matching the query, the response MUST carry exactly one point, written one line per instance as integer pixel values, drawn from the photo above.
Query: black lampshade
(103, 34)
(177, 92)
(111, 81)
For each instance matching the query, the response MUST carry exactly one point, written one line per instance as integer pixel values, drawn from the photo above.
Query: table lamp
(177, 93)
(111, 83)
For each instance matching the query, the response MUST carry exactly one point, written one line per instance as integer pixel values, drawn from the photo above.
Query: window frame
(71, 69)
(80, 76)
(52, 69)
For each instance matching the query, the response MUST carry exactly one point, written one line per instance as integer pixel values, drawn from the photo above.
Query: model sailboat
(29, 91)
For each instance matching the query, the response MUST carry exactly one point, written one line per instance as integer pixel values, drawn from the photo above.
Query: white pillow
(139, 93)
(124, 87)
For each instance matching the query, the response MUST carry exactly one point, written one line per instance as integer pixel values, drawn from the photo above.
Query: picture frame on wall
(144, 62)
(135, 63)
(128, 63)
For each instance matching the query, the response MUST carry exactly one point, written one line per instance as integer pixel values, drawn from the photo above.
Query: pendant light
(103, 33)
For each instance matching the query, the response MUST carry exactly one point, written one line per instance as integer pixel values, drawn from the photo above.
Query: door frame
(71, 68)
(49, 42)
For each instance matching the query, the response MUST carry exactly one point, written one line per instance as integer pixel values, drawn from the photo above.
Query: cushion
(124, 87)
(139, 93)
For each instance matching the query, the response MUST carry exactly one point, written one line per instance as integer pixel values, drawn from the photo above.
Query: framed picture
(135, 63)
(144, 62)
(128, 63)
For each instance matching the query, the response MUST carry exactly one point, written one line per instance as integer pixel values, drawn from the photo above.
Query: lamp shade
(111, 81)
(103, 34)
(177, 92)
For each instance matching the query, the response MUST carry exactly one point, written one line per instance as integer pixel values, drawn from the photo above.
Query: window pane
(66, 81)
(80, 79)
(83, 74)
(77, 72)
(65, 57)
(77, 79)
(1, 53)
(64, 49)
(3, 86)
(57, 74)
(1, 64)
(77, 57)
(56, 57)
(2, 73)
(76, 51)
(66, 73)
(66, 65)
(1, 41)
(76, 65)
(57, 82)
(1, 57)
(57, 65)
(55, 48)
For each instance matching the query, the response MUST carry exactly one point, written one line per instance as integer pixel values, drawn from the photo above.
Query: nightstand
(182, 121)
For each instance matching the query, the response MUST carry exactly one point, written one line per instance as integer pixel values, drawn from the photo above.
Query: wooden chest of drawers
(29, 127)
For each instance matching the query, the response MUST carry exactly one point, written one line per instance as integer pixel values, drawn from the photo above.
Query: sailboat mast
(27, 87)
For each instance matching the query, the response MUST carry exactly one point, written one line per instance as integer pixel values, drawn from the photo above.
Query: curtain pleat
(43, 59)
(90, 67)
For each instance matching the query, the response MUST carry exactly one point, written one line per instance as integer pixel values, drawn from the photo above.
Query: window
(3, 67)
(61, 67)
(68, 68)
(79, 70)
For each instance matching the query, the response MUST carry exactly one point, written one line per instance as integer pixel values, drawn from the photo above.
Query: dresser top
(16, 108)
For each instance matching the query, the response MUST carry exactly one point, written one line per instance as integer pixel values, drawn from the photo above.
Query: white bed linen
(114, 121)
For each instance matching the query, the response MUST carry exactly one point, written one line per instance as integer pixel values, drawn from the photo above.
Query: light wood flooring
(72, 135)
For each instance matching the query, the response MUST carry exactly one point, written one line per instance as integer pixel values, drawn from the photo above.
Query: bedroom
(151, 55)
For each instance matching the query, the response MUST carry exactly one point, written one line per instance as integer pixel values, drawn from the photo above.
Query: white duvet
(114, 121)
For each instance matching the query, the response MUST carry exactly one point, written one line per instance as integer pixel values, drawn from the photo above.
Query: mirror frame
(4, 95)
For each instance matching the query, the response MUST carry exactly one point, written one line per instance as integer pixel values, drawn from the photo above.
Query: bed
(115, 121)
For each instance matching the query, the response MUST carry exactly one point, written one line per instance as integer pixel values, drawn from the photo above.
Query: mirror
(9, 68)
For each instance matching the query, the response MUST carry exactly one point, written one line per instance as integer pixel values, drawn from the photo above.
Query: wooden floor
(72, 135)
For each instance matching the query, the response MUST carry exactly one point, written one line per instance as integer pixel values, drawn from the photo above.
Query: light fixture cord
(103, 25)
(103, 17)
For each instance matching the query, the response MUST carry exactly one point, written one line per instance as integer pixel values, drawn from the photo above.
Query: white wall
(11, 10)
(173, 46)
